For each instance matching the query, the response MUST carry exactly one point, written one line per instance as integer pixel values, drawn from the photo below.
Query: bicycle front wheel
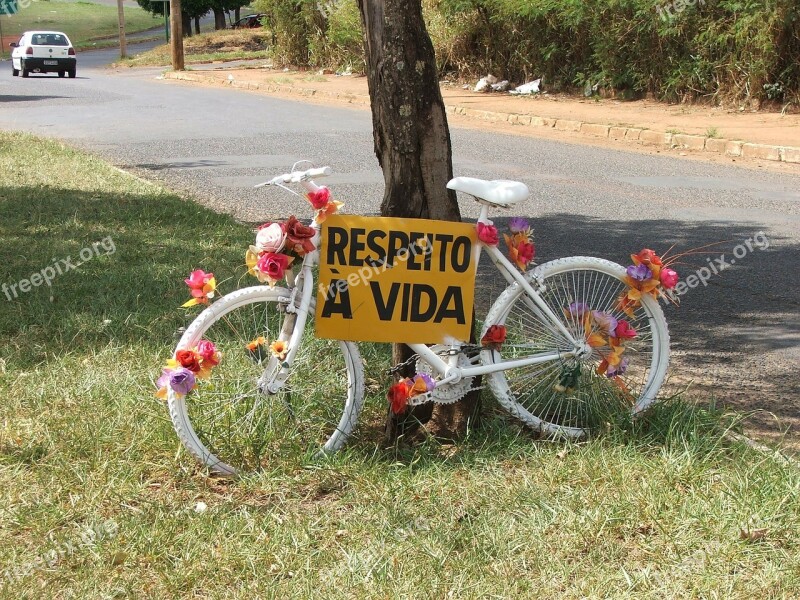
(574, 395)
(244, 415)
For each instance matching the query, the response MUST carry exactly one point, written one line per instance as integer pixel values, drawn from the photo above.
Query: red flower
(647, 257)
(525, 252)
(208, 351)
(273, 265)
(398, 396)
(189, 360)
(487, 234)
(494, 336)
(299, 236)
(624, 330)
(320, 198)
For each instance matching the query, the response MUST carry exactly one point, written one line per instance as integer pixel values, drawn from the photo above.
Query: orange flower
(279, 349)
(330, 208)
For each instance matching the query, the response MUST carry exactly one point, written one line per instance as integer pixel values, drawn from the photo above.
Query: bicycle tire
(534, 393)
(230, 426)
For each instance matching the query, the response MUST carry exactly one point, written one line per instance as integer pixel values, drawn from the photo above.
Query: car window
(49, 39)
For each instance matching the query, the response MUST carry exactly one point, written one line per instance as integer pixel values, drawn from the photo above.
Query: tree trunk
(187, 25)
(219, 19)
(197, 25)
(237, 13)
(412, 143)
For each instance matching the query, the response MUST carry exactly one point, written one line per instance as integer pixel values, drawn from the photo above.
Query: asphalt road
(737, 337)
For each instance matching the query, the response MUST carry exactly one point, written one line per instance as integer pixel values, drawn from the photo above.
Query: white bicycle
(551, 370)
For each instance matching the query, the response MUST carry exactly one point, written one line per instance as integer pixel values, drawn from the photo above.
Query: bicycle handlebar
(297, 176)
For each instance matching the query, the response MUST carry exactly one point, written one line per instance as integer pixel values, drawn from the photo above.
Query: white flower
(271, 239)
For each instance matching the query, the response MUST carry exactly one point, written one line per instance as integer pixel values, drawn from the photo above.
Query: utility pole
(176, 27)
(123, 48)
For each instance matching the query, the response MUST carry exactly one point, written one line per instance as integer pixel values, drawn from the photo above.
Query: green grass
(664, 508)
(83, 22)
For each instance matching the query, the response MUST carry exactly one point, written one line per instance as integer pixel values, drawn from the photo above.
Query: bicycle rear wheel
(232, 422)
(568, 396)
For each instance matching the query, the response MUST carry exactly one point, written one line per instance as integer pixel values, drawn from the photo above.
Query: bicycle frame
(448, 369)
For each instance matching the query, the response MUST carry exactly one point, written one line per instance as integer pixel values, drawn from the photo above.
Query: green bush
(723, 50)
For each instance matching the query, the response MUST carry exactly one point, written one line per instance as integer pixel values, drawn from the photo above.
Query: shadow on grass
(736, 336)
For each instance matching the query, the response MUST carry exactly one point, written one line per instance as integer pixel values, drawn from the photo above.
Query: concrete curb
(697, 143)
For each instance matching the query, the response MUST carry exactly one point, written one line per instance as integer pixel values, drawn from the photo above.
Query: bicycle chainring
(450, 392)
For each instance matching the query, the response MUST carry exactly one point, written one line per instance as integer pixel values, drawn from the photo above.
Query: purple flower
(429, 383)
(618, 370)
(518, 225)
(181, 380)
(578, 309)
(640, 273)
(163, 381)
(605, 321)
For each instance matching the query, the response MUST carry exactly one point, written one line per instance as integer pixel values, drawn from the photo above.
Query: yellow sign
(396, 280)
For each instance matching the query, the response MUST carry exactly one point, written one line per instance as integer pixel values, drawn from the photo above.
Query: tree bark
(187, 25)
(219, 19)
(197, 25)
(412, 143)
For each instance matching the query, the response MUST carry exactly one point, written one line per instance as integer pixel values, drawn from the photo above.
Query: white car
(43, 52)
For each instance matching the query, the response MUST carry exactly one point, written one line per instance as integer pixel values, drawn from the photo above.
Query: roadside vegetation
(86, 23)
(665, 508)
(227, 44)
(721, 51)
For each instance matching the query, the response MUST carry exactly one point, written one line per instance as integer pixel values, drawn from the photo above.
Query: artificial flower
(202, 286)
(624, 330)
(208, 351)
(487, 233)
(521, 250)
(320, 198)
(271, 237)
(398, 396)
(646, 257)
(494, 336)
(669, 278)
(422, 384)
(639, 272)
(162, 382)
(272, 267)
(251, 260)
(279, 349)
(182, 381)
(330, 208)
(605, 321)
(578, 309)
(519, 225)
(258, 349)
(619, 369)
(298, 237)
(189, 360)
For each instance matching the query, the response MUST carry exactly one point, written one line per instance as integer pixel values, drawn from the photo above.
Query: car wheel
(61, 73)
(25, 71)
(14, 72)
(72, 73)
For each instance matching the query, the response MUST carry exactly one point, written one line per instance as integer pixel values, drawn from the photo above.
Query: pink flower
(197, 280)
(208, 351)
(271, 237)
(605, 322)
(273, 265)
(624, 331)
(487, 234)
(669, 278)
(320, 198)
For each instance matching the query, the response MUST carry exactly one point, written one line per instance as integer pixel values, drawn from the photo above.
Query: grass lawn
(228, 44)
(81, 21)
(97, 499)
